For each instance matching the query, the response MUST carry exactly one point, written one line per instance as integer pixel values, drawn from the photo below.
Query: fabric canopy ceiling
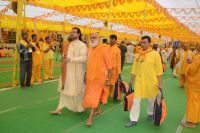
(186, 11)
(156, 16)
(146, 15)
(38, 18)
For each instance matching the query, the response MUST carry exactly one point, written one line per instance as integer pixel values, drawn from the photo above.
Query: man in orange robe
(184, 55)
(64, 50)
(193, 91)
(116, 60)
(98, 76)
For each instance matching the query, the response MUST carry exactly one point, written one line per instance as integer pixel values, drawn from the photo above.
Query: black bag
(160, 110)
(128, 99)
(116, 91)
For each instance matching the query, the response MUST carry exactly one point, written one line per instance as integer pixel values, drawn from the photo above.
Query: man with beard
(98, 76)
(71, 93)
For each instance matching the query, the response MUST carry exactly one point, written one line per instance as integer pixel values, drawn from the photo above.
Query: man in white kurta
(71, 95)
(163, 55)
(169, 52)
(129, 55)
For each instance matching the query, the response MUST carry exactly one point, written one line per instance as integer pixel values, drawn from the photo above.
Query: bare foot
(57, 112)
(182, 87)
(39, 81)
(188, 124)
(97, 112)
(62, 88)
(88, 122)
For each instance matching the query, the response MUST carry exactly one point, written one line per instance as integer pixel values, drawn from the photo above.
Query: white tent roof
(179, 3)
(186, 11)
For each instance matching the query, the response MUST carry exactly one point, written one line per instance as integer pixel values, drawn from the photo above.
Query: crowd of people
(32, 54)
(6, 52)
(89, 72)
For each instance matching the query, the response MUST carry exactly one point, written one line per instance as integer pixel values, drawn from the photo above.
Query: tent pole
(65, 20)
(35, 26)
(18, 33)
(109, 12)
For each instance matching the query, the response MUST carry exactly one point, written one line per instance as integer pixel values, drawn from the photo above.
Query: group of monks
(88, 75)
(102, 71)
(87, 86)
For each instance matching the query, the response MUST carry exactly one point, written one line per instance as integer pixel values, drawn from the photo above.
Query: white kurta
(169, 51)
(164, 55)
(74, 87)
(129, 55)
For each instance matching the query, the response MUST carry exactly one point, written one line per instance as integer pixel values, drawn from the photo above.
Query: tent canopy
(162, 17)
(145, 15)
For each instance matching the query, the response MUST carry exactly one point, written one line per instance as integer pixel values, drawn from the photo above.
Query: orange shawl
(142, 54)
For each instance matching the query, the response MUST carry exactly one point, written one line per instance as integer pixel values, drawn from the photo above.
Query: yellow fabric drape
(157, 19)
(18, 27)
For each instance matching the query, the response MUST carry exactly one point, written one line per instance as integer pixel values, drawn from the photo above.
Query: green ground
(6, 76)
(27, 111)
